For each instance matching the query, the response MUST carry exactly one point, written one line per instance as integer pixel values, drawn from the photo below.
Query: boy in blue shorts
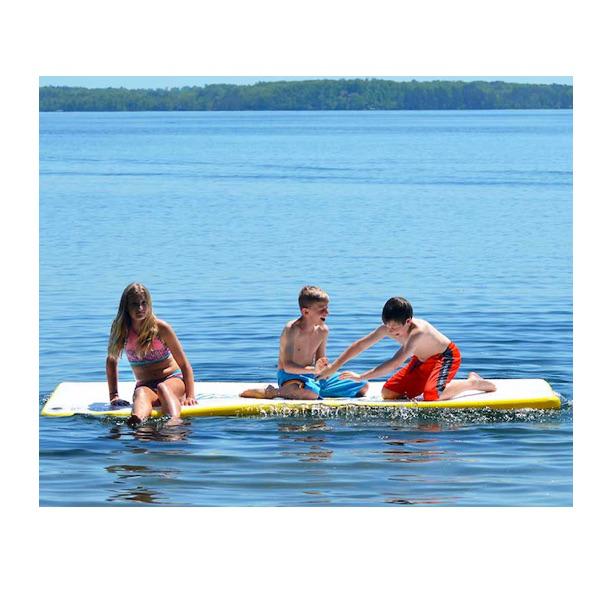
(302, 347)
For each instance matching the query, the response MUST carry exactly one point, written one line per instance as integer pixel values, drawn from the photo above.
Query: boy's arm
(321, 353)
(353, 350)
(389, 365)
(385, 367)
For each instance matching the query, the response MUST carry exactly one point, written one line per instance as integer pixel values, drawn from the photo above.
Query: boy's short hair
(310, 294)
(397, 309)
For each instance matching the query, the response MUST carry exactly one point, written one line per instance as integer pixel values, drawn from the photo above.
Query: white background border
(270, 553)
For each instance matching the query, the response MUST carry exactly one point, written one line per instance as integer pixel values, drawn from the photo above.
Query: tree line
(324, 94)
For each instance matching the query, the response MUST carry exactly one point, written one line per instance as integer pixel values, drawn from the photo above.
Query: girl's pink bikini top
(158, 351)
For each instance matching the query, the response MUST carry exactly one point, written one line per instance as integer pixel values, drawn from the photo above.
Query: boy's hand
(321, 364)
(189, 401)
(351, 375)
(325, 373)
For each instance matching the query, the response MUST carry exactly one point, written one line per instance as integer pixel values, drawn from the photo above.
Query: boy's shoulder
(291, 324)
(291, 327)
(421, 323)
(295, 325)
(424, 329)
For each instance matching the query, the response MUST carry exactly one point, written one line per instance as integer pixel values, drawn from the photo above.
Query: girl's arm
(113, 383)
(170, 339)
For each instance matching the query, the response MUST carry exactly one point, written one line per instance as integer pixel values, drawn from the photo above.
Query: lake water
(224, 216)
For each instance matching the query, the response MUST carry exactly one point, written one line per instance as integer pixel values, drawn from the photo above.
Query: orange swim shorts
(429, 377)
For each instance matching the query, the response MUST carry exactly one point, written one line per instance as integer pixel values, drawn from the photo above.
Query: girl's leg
(170, 393)
(143, 397)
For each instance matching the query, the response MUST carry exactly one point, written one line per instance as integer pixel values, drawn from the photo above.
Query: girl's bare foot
(479, 383)
(173, 422)
(134, 421)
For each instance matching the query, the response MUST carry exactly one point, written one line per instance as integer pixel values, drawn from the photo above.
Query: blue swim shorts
(334, 387)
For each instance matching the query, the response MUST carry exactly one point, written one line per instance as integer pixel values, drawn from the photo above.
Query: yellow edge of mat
(54, 414)
(258, 409)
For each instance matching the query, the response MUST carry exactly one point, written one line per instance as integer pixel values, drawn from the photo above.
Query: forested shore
(323, 94)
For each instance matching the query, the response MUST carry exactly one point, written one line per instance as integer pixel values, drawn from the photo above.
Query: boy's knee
(293, 391)
(363, 390)
(306, 394)
(431, 394)
(388, 394)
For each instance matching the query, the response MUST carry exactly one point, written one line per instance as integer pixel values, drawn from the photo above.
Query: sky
(150, 82)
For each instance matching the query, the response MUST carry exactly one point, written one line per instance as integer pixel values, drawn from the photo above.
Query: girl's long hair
(122, 323)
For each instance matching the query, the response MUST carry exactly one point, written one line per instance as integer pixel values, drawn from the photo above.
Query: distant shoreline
(312, 95)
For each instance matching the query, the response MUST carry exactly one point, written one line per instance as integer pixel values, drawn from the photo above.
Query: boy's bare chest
(307, 342)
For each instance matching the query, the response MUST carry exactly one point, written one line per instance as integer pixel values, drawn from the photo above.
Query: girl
(163, 373)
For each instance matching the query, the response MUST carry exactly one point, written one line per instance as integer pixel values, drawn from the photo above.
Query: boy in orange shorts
(433, 364)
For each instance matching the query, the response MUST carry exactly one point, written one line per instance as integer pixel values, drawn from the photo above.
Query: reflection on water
(316, 452)
(407, 454)
(137, 493)
(406, 450)
(319, 425)
(153, 430)
(151, 433)
(128, 471)
(304, 462)
(412, 456)
(431, 501)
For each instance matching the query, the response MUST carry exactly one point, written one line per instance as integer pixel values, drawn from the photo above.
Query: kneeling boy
(434, 358)
(302, 356)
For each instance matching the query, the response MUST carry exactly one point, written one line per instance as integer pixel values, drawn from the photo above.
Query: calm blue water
(224, 216)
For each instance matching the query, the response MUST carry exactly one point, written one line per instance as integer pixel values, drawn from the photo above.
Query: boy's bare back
(421, 339)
